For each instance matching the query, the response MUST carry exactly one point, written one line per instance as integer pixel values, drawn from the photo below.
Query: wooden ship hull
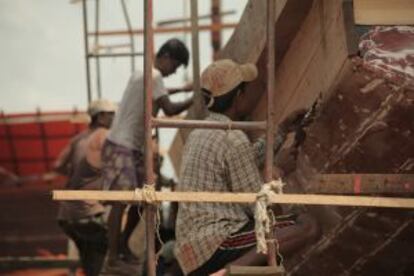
(364, 126)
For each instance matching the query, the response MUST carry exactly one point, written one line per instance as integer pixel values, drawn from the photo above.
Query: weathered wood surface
(384, 12)
(361, 184)
(247, 44)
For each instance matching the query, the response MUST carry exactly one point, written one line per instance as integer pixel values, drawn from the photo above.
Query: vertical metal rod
(149, 171)
(198, 109)
(215, 32)
(85, 37)
(271, 257)
(97, 60)
(131, 34)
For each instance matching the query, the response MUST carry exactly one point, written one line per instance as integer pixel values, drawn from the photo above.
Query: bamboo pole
(174, 123)
(210, 197)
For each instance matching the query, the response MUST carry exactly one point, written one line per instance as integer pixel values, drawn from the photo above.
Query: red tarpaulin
(29, 143)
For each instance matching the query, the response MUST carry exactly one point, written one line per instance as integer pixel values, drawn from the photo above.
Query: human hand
(221, 272)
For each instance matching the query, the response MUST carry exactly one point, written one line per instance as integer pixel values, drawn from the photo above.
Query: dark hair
(176, 49)
(222, 103)
(94, 120)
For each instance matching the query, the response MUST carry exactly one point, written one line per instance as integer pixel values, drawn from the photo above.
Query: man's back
(216, 161)
(82, 176)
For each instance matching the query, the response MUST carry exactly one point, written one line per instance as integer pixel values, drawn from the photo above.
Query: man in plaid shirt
(213, 235)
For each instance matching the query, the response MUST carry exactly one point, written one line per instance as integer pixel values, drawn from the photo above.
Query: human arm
(186, 88)
(62, 164)
(163, 101)
(291, 123)
(173, 108)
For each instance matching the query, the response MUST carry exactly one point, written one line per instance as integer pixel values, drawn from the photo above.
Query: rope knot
(148, 193)
(261, 216)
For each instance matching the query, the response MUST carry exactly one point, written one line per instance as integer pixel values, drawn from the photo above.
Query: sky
(42, 50)
(42, 62)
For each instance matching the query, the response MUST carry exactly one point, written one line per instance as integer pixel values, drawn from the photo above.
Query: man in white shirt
(123, 151)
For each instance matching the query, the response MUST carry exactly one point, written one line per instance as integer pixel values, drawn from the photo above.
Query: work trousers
(91, 240)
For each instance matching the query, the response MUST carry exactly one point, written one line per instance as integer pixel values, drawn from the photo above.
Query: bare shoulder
(98, 137)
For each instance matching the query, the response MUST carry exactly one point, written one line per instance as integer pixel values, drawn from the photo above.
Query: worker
(211, 236)
(123, 152)
(83, 221)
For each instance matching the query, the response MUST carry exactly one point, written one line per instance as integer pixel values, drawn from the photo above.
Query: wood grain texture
(384, 12)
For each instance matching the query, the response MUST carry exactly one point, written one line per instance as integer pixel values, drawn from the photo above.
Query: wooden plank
(315, 57)
(248, 39)
(362, 184)
(255, 271)
(384, 12)
(211, 197)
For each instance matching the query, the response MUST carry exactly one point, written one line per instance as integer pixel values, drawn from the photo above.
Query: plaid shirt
(214, 161)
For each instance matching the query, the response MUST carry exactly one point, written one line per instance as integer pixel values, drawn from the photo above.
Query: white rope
(262, 221)
(148, 193)
(149, 196)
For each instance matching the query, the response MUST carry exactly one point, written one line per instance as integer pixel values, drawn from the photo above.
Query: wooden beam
(384, 12)
(255, 270)
(210, 197)
(361, 184)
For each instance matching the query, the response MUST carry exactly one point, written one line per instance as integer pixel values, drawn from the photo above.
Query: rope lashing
(261, 216)
(148, 193)
(148, 196)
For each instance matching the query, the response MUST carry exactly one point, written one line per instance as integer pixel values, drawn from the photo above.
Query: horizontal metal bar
(171, 123)
(186, 19)
(166, 30)
(115, 55)
(307, 199)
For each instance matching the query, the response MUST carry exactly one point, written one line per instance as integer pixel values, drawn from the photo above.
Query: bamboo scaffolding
(214, 197)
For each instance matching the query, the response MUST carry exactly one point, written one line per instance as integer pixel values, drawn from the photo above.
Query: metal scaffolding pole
(149, 171)
(165, 30)
(115, 55)
(131, 35)
(195, 45)
(268, 174)
(97, 61)
(198, 110)
(216, 20)
(86, 42)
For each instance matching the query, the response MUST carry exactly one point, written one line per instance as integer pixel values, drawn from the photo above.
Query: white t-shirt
(128, 126)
